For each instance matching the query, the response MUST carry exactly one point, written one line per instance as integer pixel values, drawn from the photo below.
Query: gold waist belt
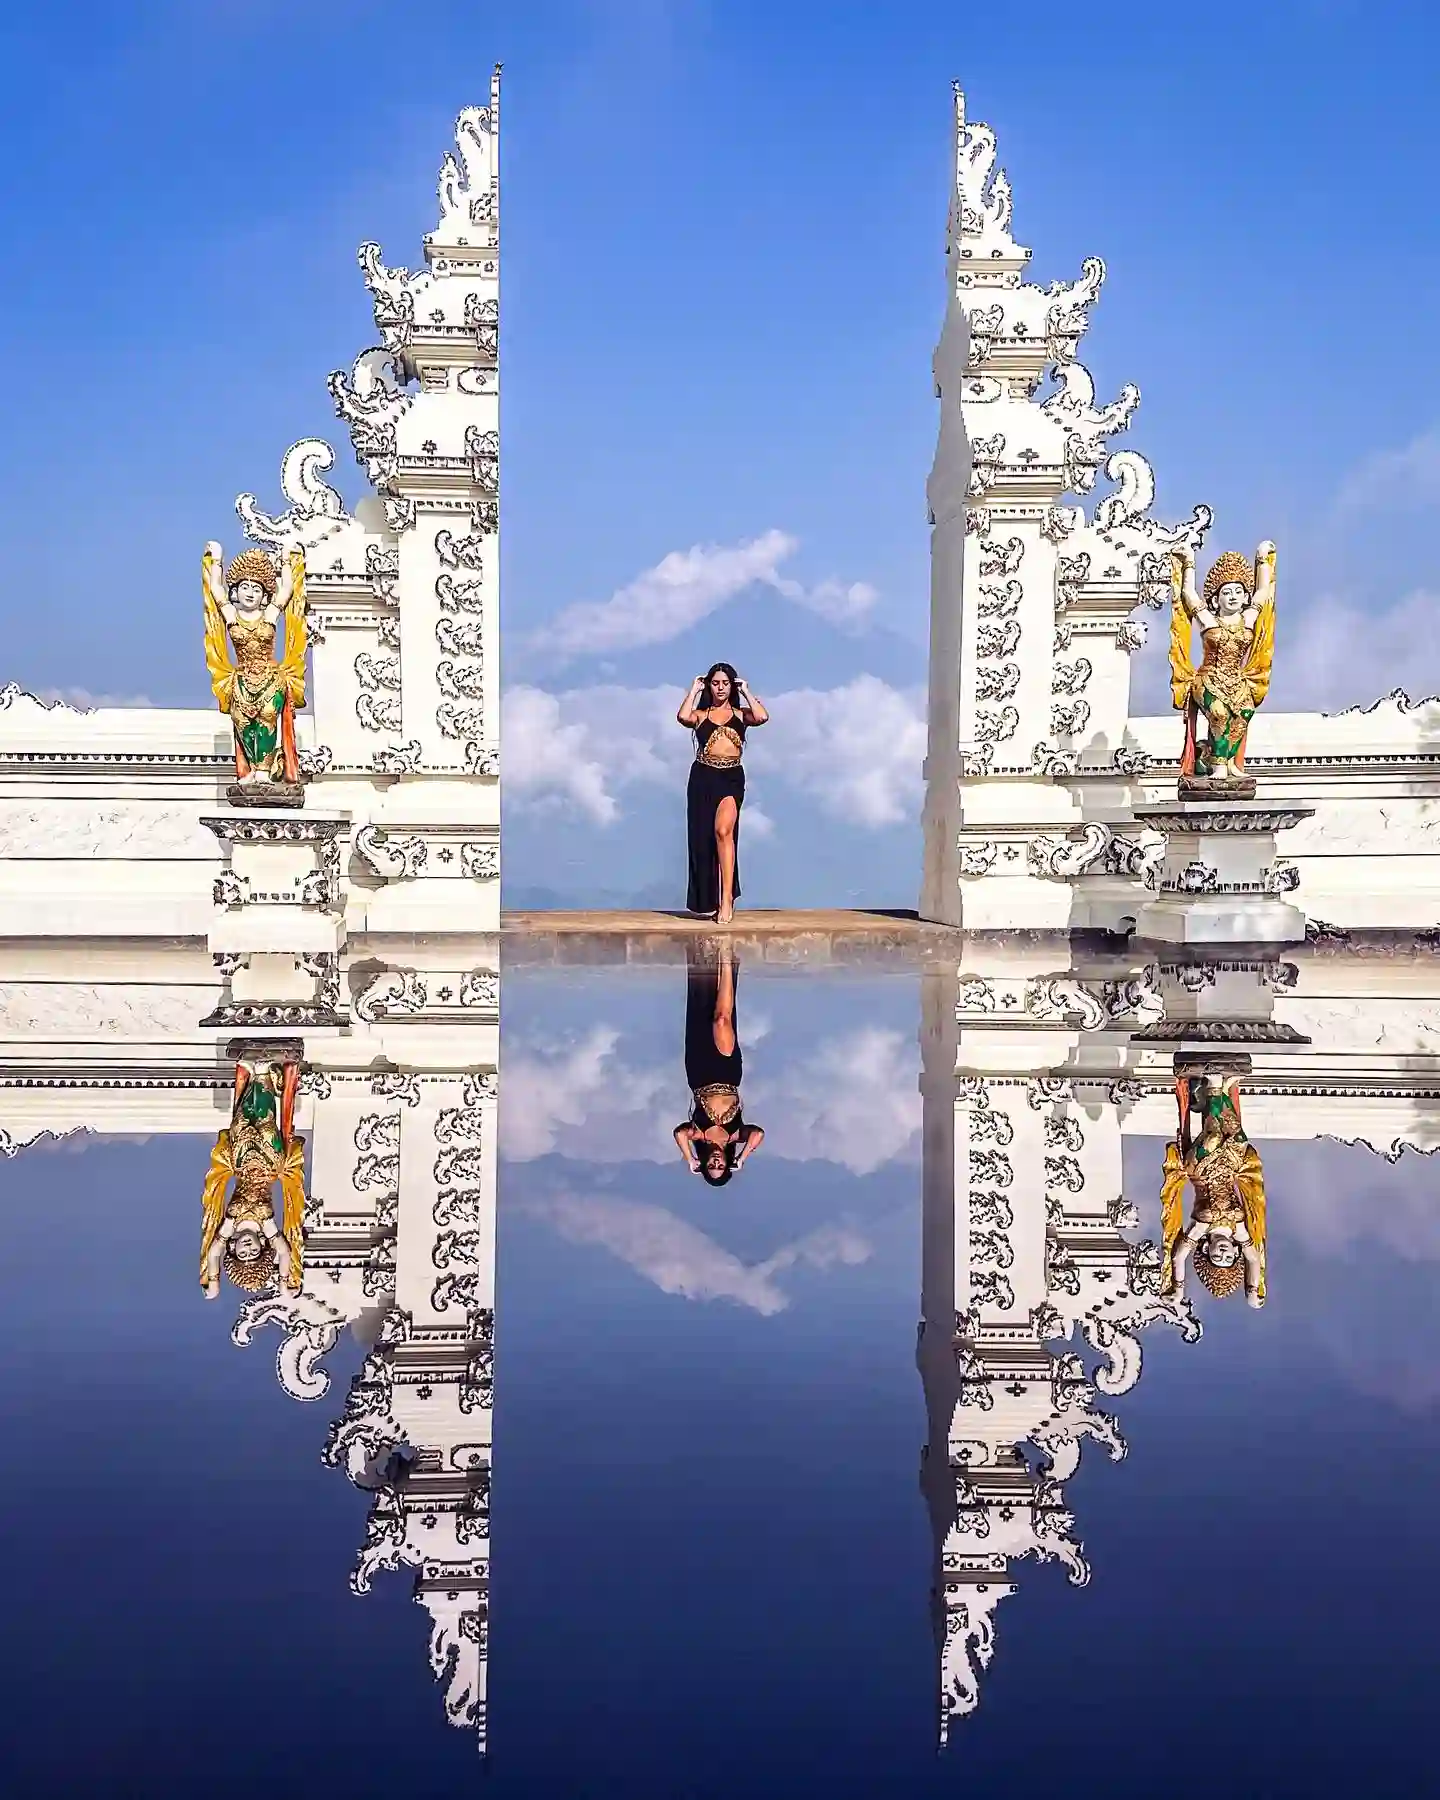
(717, 762)
(718, 1101)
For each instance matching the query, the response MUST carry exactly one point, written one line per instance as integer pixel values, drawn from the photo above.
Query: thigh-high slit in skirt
(708, 787)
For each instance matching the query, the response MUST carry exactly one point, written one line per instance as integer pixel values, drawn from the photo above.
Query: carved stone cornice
(252, 828)
(260, 1015)
(1181, 818)
(1218, 1031)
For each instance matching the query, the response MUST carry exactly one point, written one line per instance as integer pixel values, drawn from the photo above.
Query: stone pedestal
(279, 923)
(1210, 998)
(1222, 882)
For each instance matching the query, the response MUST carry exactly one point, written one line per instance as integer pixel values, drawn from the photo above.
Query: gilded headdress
(252, 1277)
(1234, 565)
(255, 565)
(1220, 1281)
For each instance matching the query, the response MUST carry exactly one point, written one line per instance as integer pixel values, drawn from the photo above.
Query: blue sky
(722, 282)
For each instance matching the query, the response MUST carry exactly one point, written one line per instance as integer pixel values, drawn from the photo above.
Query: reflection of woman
(715, 1140)
(719, 709)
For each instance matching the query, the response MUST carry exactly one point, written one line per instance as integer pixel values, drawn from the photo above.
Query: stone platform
(827, 934)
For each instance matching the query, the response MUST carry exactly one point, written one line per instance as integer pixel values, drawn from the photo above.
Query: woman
(717, 786)
(715, 1140)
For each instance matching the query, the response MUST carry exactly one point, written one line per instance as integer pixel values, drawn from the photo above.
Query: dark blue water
(711, 1558)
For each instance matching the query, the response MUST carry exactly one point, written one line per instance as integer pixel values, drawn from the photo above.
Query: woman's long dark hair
(721, 668)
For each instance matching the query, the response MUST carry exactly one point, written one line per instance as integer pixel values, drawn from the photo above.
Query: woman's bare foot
(725, 915)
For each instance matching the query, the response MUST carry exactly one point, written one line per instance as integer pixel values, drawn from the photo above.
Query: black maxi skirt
(706, 1065)
(708, 787)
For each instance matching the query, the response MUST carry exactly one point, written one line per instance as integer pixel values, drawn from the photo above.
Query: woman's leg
(722, 1022)
(726, 814)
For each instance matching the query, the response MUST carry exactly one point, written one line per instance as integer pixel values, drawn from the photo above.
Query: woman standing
(719, 709)
(715, 1140)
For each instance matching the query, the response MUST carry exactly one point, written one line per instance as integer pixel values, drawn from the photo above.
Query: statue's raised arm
(1183, 562)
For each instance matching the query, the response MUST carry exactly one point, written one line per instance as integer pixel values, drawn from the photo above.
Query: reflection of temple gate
(1041, 1271)
(398, 1118)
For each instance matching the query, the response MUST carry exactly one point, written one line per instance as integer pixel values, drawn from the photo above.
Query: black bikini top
(707, 728)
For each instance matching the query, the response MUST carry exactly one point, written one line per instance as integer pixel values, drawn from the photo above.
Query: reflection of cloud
(853, 1100)
(753, 1026)
(855, 750)
(581, 1100)
(1389, 1206)
(1353, 1246)
(680, 1259)
(74, 1141)
(82, 700)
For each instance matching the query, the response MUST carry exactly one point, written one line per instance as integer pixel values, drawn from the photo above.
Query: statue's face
(247, 1244)
(1221, 1250)
(247, 596)
(1231, 599)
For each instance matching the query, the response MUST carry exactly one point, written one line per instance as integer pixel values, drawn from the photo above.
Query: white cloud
(846, 604)
(1338, 652)
(856, 750)
(685, 587)
(78, 699)
(853, 1100)
(680, 1259)
(1394, 479)
(1345, 638)
(660, 603)
(1342, 653)
(574, 750)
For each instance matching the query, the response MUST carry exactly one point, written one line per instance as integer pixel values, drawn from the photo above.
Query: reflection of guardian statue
(259, 690)
(258, 1149)
(1225, 1240)
(1237, 628)
(715, 1140)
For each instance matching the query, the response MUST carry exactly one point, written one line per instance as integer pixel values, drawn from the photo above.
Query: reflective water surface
(747, 1524)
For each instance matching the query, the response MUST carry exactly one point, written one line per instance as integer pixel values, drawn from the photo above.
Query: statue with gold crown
(258, 1148)
(1237, 634)
(1225, 1239)
(259, 690)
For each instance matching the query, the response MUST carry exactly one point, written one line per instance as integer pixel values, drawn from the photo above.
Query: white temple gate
(1035, 765)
